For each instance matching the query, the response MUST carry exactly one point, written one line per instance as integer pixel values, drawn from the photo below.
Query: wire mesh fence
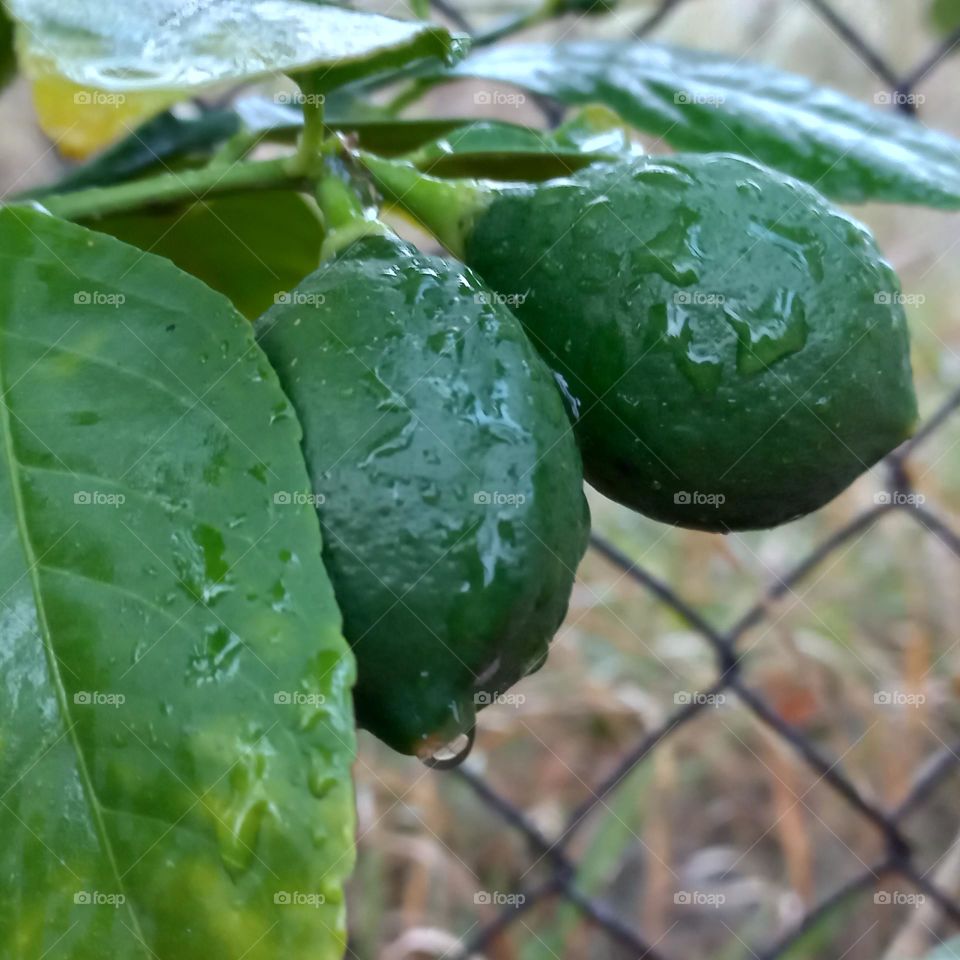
(899, 857)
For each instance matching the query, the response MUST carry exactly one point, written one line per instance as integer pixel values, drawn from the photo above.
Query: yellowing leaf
(82, 120)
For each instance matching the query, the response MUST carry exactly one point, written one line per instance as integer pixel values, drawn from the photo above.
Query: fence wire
(899, 857)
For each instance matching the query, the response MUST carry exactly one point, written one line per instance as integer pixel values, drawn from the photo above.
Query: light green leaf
(697, 101)
(165, 45)
(505, 151)
(251, 247)
(175, 730)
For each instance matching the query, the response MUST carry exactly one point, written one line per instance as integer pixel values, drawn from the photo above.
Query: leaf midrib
(52, 663)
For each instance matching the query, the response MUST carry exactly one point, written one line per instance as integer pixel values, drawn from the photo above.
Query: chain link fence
(899, 858)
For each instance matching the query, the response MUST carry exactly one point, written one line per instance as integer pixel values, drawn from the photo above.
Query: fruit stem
(344, 216)
(311, 144)
(168, 188)
(447, 208)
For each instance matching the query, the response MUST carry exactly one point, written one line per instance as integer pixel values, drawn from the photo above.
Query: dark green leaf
(394, 138)
(176, 721)
(155, 144)
(251, 247)
(697, 101)
(166, 45)
(384, 135)
(460, 146)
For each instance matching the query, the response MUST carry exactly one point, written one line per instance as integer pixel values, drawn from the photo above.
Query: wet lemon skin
(738, 345)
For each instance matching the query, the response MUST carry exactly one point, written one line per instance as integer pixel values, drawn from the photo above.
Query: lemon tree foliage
(251, 247)
(170, 45)
(176, 726)
(696, 101)
(120, 61)
(269, 471)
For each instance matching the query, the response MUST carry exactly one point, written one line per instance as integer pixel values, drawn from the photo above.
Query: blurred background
(723, 836)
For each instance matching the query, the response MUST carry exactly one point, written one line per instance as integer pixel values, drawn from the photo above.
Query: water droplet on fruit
(699, 363)
(451, 754)
(800, 244)
(774, 331)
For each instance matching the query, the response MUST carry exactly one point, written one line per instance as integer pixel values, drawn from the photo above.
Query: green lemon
(737, 345)
(447, 478)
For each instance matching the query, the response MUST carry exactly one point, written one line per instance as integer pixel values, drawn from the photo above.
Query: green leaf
(176, 726)
(387, 136)
(701, 102)
(251, 247)
(167, 45)
(155, 145)
(505, 151)
(461, 146)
